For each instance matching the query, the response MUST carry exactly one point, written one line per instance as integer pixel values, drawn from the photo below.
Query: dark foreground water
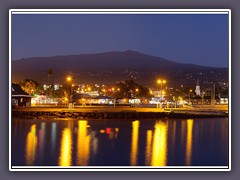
(194, 142)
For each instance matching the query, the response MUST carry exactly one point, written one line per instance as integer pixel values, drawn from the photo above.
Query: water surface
(173, 142)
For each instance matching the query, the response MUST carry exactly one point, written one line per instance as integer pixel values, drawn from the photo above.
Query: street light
(69, 79)
(189, 96)
(136, 92)
(151, 92)
(161, 82)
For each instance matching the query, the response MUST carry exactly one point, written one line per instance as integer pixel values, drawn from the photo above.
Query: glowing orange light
(159, 81)
(69, 78)
(102, 131)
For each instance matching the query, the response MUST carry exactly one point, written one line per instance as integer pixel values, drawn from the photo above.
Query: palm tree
(49, 73)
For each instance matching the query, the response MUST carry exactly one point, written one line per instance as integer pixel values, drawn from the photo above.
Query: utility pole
(202, 97)
(213, 96)
(189, 96)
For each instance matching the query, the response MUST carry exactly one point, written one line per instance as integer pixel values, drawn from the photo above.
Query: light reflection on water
(148, 150)
(135, 143)
(189, 141)
(159, 148)
(83, 144)
(31, 146)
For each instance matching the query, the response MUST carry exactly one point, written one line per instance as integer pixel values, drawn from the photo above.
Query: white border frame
(119, 11)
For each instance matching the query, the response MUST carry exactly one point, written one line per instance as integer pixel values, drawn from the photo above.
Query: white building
(197, 90)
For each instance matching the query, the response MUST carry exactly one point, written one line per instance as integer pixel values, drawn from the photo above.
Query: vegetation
(30, 86)
(130, 89)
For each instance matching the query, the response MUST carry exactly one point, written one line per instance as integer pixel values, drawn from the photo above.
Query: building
(224, 99)
(42, 99)
(19, 97)
(197, 90)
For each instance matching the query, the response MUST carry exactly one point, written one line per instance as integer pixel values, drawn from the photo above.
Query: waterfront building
(19, 97)
(224, 99)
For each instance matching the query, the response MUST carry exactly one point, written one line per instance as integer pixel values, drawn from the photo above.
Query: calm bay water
(180, 142)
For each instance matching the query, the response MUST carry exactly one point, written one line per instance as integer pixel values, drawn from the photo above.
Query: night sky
(195, 39)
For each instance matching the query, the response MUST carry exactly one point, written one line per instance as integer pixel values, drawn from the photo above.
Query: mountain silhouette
(114, 66)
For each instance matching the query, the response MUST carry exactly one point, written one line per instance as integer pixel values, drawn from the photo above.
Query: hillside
(114, 66)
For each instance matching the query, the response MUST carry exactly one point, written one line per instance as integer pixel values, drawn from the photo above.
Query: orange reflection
(31, 146)
(116, 132)
(159, 150)
(148, 153)
(189, 142)
(41, 140)
(183, 129)
(134, 145)
(65, 158)
(83, 144)
(173, 134)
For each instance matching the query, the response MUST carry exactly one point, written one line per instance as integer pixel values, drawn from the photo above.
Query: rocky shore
(131, 114)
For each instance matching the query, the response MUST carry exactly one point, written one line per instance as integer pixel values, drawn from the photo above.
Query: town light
(161, 82)
(69, 78)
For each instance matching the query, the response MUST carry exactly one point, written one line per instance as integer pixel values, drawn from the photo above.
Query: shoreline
(115, 113)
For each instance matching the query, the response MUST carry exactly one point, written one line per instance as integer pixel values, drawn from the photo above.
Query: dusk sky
(196, 39)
